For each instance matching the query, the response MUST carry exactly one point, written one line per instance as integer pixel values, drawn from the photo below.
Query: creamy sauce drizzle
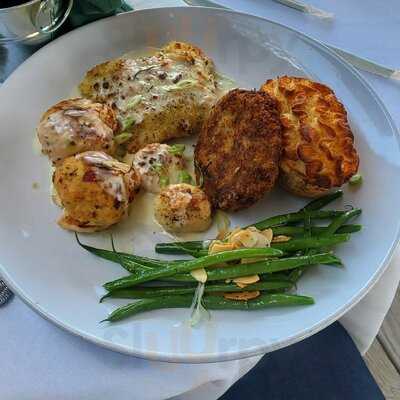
(141, 225)
(109, 172)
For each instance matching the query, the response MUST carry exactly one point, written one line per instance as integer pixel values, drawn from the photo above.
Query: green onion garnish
(157, 168)
(127, 123)
(134, 101)
(184, 84)
(185, 177)
(122, 137)
(164, 181)
(356, 180)
(177, 149)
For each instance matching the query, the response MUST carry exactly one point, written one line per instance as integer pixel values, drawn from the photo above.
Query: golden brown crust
(318, 151)
(93, 197)
(238, 150)
(191, 54)
(183, 208)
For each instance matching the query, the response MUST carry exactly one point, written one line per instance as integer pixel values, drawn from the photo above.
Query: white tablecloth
(40, 361)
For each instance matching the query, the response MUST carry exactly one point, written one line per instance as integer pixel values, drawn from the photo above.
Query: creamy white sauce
(141, 226)
(155, 162)
(109, 173)
(74, 128)
(144, 85)
(36, 146)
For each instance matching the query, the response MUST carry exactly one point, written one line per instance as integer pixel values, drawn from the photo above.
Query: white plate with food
(119, 112)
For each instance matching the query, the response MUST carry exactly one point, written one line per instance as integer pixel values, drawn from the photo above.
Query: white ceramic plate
(45, 267)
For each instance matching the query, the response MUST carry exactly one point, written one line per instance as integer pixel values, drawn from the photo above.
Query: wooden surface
(389, 336)
(383, 371)
(383, 358)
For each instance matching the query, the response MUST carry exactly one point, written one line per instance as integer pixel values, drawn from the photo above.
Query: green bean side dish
(157, 284)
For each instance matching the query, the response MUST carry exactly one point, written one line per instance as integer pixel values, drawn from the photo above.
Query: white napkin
(41, 362)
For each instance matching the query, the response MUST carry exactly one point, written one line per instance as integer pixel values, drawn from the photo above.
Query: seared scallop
(237, 154)
(74, 126)
(318, 144)
(156, 98)
(95, 190)
(158, 165)
(183, 208)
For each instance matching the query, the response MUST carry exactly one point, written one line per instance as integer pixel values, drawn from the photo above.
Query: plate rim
(235, 354)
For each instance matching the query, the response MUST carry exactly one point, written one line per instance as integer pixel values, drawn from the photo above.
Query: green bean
(187, 266)
(340, 220)
(295, 217)
(303, 243)
(296, 274)
(312, 242)
(157, 291)
(134, 264)
(178, 247)
(233, 271)
(210, 302)
(317, 204)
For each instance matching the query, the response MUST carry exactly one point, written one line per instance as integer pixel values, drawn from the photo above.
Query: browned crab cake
(95, 191)
(183, 208)
(318, 145)
(237, 154)
(74, 126)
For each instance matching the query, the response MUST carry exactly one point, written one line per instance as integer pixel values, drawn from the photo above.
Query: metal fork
(356, 61)
(5, 293)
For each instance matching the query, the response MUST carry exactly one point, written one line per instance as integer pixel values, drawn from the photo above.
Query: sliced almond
(233, 232)
(244, 237)
(269, 234)
(242, 295)
(262, 241)
(200, 275)
(246, 280)
(280, 239)
(217, 247)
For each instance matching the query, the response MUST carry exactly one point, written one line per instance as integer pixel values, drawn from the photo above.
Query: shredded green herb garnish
(184, 84)
(122, 137)
(356, 179)
(164, 181)
(185, 177)
(177, 149)
(157, 168)
(134, 101)
(127, 123)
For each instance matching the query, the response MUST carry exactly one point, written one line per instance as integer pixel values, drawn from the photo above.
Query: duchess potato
(183, 208)
(318, 145)
(95, 191)
(237, 154)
